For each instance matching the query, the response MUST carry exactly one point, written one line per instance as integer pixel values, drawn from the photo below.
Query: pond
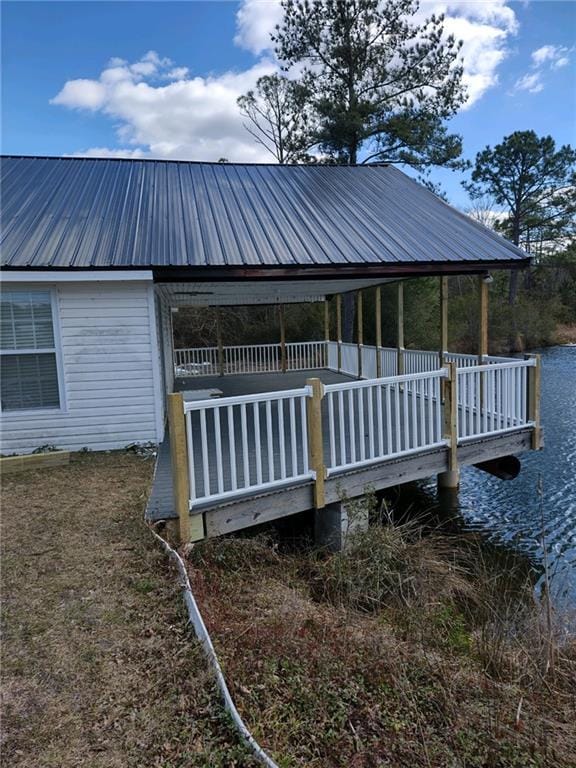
(510, 512)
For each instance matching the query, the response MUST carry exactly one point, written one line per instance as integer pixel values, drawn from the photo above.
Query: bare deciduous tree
(279, 118)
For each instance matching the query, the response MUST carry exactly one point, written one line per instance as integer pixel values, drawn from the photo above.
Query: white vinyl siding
(109, 362)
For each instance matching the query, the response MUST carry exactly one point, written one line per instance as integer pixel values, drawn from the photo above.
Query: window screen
(29, 373)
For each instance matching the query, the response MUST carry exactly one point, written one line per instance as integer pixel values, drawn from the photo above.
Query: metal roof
(106, 213)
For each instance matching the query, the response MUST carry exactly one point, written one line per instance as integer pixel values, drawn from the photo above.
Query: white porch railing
(252, 443)
(249, 358)
(248, 443)
(493, 398)
(379, 419)
(309, 355)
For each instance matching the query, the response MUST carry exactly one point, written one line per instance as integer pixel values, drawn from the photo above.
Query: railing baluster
(257, 442)
(204, 446)
(361, 424)
(190, 441)
(414, 430)
(422, 413)
(232, 448)
(218, 440)
(304, 431)
(281, 436)
(293, 437)
(388, 419)
(406, 442)
(245, 456)
(331, 429)
(270, 441)
(342, 428)
(352, 424)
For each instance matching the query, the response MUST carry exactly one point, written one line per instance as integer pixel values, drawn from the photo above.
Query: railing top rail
(193, 349)
(530, 363)
(252, 346)
(259, 397)
(440, 373)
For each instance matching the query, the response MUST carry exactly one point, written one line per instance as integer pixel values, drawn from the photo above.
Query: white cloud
(178, 73)
(556, 55)
(160, 109)
(530, 82)
(255, 21)
(107, 152)
(81, 94)
(545, 58)
(187, 118)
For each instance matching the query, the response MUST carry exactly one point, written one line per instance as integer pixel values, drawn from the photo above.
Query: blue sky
(80, 78)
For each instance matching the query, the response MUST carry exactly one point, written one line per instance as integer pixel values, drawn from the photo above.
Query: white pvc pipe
(195, 618)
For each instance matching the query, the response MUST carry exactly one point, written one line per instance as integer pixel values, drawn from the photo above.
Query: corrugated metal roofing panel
(85, 212)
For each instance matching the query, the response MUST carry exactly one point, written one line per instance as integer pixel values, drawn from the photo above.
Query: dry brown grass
(98, 668)
(565, 334)
(337, 662)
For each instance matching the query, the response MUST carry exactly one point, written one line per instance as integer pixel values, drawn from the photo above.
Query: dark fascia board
(169, 274)
(332, 271)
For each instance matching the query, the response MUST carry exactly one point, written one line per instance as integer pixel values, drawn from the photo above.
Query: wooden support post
(378, 332)
(443, 319)
(283, 361)
(316, 441)
(339, 329)
(326, 331)
(400, 328)
(179, 457)
(219, 341)
(534, 376)
(451, 416)
(483, 319)
(360, 319)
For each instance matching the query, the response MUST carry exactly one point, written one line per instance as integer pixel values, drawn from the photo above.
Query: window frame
(56, 350)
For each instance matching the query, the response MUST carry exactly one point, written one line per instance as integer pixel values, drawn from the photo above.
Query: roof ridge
(10, 156)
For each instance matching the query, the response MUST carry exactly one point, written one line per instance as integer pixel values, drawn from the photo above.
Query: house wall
(112, 386)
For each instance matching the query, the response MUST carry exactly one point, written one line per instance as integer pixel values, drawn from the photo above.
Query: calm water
(509, 512)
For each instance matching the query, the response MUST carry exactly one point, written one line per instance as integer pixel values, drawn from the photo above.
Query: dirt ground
(98, 667)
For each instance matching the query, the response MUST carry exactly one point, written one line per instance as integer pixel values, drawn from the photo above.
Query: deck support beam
(378, 313)
(443, 319)
(339, 329)
(483, 319)
(283, 361)
(315, 440)
(360, 322)
(219, 341)
(189, 528)
(400, 328)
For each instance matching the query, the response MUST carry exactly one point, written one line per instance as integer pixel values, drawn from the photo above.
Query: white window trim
(57, 350)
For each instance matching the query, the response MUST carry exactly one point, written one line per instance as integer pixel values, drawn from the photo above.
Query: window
(29, 371)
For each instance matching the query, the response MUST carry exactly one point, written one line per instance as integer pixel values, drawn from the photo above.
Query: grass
(98, 667)
(404, 651)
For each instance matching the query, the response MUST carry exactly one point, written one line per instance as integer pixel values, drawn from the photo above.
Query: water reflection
(509, 512)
